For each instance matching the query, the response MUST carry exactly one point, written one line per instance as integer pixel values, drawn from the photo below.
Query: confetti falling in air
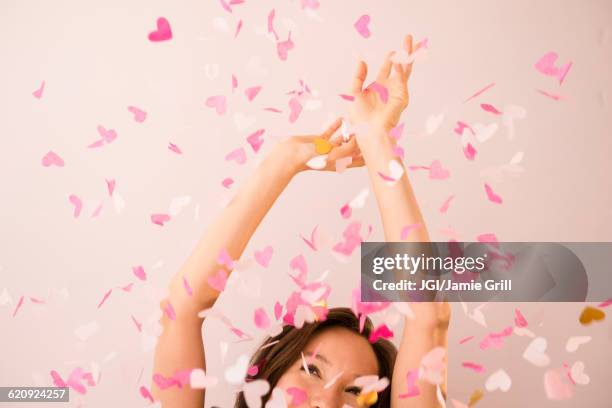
(491, 195)
(39, 92)
(139, 114)
(174, 148)
(52, 159)
(362, 26)
(264, 256)
(591, 314)
(238, 155)
(252, 92)
(218, 102)
(547, 66)
(163, 31)
(160, 219)
(255, 140)
(480, 92)
(381, 90)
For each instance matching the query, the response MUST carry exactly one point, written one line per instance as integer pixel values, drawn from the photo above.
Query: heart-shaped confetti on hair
(362, 26)
(381, 332)
(591, 314)
(218, 102)
(52, 159)
(163, 32)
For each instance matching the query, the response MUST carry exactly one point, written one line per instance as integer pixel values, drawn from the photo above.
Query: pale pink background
(96, 60)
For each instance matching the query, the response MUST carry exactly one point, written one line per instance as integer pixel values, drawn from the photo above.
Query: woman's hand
(369, 105)
(329, 149)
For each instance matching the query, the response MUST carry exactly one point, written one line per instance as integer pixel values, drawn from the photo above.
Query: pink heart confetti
(437, 172)
(461, 126)
(163, 32)
(39, 92)
(160, 219)
(546, 66)
(491, 195)
(381, 90)
(273, 110)
(488, 237)
(296, 108)
(234, 82)
(169, 310)
(252, 92)
(381, 331)
(225, 6)
(550, 95)
(283, 47)
(278, 310)
(227, 182)
(311, 242)
(406, 230)
(97, 211)
(263, 257)
(465, 339)
(255, 140)
(349, 98)
(298, 396)
(490, 108)
(78, 204)
(238, 155)
(174, 148)
(52, 159)
(261, 318)
(218, 102)
(557, 385)
(352, 239)
(225, 259)
(362, 26)
(218, 280)
(346, 211)
(108, 135)
(312, 4)
(139, 272)
(139, 114)
(519, 319)
(137, 323)
(495, 340)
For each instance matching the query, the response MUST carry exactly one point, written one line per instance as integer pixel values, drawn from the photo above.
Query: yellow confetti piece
(365, 400)
(322, 146)
(475, 397)
(591, 313)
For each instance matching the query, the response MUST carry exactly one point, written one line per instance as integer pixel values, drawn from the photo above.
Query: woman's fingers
(385, 69)
(409, 49)
(332, 129)
(344, 150)
(360, 77)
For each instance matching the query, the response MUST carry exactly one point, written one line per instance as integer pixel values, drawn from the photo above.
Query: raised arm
(398, 209)
(180, 346)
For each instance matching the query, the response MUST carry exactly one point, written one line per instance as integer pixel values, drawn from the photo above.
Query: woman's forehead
(343, 349)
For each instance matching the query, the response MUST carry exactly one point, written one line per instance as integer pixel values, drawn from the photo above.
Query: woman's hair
(273, 361)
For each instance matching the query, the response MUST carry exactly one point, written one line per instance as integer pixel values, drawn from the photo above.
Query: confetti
(137, 323)
(480, 92)
(557, 385)
(475, 397)
(473, 366)
(106, 295)
(465, 339)
(535, 352)
(263, 257)
(295, 108)
(163, 32)
(238, 28)
(444, 207)
(145, 393)
(174, 148)
(139, 272)
(519, 319)
(271, 24)
(461, 126)
(283, 47)
(362, 26)
(491, 195)
(252, 92)
(52, 159)
(550, 95)
(469, 152)
(78, 204)
(254, 139)
(590, 314)
(298, 395)
(396, 171)
(490, 108)
(160, 219)
(218, 102)
(227, 182)
(19, 303)
(218, 280)
(347, 97)
(437, 172)
(433, 123)
(381, 90)
(381, 332)
(39, 92)
(238, 155)
(499, 380)
(139, 115)
(546, 66)
(253, 391)
(413, 389)
(111, 187)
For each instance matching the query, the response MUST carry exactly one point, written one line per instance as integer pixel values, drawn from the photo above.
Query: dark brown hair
(273, 361)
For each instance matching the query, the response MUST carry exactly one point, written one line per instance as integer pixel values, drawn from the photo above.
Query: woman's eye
(313, 369)
(353, 390)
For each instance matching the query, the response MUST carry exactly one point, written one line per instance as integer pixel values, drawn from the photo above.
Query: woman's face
(341, 357)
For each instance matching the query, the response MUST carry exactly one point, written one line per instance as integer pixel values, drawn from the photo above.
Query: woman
(325, 357)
